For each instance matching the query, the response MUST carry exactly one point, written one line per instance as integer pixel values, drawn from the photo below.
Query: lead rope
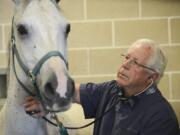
(62, 130)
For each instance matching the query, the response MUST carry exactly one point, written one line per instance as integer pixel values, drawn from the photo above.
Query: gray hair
(157, 60)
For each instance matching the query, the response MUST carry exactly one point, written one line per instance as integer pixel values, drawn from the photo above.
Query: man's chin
(121, 82)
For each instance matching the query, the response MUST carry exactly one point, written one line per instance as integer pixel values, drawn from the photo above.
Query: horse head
(40, 40)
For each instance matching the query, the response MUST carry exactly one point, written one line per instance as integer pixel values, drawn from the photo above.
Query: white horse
(38, 62)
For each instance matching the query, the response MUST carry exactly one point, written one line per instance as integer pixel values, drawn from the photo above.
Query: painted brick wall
(102, 29)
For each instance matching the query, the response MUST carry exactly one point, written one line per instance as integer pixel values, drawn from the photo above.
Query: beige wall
(102, 29)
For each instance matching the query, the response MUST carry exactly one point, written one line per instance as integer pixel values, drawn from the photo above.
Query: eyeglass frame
(134, 62)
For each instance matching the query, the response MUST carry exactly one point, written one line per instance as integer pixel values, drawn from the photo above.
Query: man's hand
(33, 107)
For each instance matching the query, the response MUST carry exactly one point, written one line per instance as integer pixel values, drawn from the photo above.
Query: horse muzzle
(53, 100)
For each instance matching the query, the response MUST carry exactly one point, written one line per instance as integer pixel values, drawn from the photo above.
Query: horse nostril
(50, 89)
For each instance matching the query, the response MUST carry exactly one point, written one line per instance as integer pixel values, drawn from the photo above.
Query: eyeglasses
(135, 63)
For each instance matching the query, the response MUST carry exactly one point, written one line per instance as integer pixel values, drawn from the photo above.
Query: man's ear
(153, 77)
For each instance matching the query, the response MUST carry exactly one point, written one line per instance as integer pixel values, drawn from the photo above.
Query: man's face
(130, 74)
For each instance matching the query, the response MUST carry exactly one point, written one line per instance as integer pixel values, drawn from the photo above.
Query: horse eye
(22, 30)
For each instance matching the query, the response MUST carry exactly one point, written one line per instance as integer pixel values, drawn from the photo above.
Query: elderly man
(131, 104)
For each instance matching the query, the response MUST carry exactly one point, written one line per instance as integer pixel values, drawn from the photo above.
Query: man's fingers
(29, 98)
(29, 101)
(38, 114)
(33, 106)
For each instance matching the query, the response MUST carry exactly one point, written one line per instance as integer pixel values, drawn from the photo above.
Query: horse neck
(15, 109)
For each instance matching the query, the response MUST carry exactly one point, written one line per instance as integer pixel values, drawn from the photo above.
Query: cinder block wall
(102, 29)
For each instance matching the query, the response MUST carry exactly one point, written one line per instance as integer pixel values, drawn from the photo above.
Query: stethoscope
(117, 97)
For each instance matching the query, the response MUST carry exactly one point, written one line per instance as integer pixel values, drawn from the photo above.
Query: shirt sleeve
(90, 96)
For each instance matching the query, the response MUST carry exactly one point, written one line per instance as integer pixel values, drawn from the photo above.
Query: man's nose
(127, 63)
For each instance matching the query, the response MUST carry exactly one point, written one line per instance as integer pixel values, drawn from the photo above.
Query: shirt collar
(149, 91)
(133, 99)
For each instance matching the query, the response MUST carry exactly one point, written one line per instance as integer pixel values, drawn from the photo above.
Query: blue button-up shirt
(145, 114)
